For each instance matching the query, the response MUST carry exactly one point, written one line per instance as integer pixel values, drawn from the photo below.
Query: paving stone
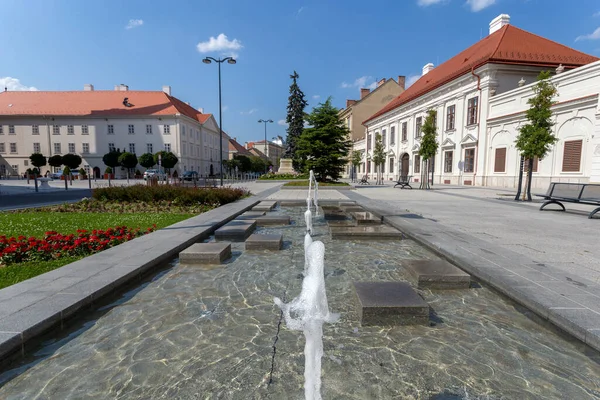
(264, 242)
(268, 220)
(372, 232)
(366, 218)
(206, 253)
(235, 231)
(9, 342)
(437, 274)
(265, 205)
(250, 215)
(576, 321)
(389, 304)
(592, 338)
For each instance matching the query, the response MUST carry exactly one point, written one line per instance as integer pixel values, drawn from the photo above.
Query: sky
(336, 47)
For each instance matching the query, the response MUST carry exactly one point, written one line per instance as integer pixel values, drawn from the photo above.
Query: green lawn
(305, 183)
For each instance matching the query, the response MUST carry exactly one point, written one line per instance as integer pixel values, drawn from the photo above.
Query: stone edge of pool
(543, 289)
(33, 307)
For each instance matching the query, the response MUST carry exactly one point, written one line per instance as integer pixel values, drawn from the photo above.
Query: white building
(462, 90)
(91, 122)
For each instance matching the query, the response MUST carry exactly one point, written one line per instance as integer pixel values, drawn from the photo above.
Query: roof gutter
(478, 125)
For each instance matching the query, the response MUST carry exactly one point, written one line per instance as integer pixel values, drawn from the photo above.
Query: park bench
(581, 193)
(364, 180)
(404, 181)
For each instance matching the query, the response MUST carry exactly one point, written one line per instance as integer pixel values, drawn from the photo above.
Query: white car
(150, 173)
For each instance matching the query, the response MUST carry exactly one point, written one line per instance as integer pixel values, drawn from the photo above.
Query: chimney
(427, 68)
(123, 87)
(560, 69)
(117, 88)
(402, 81)
(350, 103)
(167, 90)
(201, 110)
(381, 82)
(88, 87)
(499, 22)
(364, 92)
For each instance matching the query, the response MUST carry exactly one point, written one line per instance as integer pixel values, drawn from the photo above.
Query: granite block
(390, 303)
(269, 220)
(437, 274)
(371, 232)
(235, 231)
(206, 253)
(264, 242)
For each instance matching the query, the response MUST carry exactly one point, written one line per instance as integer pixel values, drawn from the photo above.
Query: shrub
(108, 170)
(305, 183)
(271, 176)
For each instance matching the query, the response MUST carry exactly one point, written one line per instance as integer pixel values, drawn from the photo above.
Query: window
(469, 160)
(84, 130)
(500, 160)
(37, 148)
(404, 131)
(448, 161)
(35, 129)
(11, 129)
(87, 170)
(111, 129)
(472, 111)
(72, 148)
(149, 148)
(183, 130)
(57, 149)
(167, 129)
(391, 165)
(572, 156)
(418, 127)
(15, 169)
(70, 130)
(392, 135)
(131, 129)
(86, 147)
(13, 148)
(383, 137)
(148, 129)
(167, 146)
(111, 147)
(132, 148)
(56, 130)
(369, 142)
(2, 148)
(450, 111)
(1, 130)
(526, 165)
(26, 163)
(417, 166)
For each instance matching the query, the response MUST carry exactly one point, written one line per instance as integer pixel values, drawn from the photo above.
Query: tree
(244, 163)
(325, 145)
(111, 159)
(55, 161)
(258, 164)
(38, 160)
(73, 161)
(146, 160)
(295, 119)
(168, 160)
(428, 146)
(535, 138)
(356, 160)
(379, 157)
(129, 161)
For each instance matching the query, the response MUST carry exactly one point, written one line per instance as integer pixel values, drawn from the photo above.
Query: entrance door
(404, 165)
(97, 172)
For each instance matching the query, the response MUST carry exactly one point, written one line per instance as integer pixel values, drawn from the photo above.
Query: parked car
(59, 173)
(189, 176)
(151, 173)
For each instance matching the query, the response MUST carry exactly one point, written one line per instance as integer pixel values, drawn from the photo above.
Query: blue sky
(336, 46)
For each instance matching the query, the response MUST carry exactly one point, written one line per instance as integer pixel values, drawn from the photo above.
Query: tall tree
(428, 146)
(325, 145)
(295, 119)
(378, 157)
(535, 138)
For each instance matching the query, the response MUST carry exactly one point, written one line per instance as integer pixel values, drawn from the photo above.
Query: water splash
(307, 242)
(308, 220)
(308, 312)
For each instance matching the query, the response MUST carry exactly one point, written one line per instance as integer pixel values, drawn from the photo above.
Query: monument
(285, 166)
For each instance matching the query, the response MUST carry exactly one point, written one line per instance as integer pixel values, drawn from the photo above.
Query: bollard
(66, 184)
(89, 181)
(35, 182)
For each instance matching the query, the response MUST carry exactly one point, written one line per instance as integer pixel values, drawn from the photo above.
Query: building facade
(461, 91)
(91, 123)
(273, 151)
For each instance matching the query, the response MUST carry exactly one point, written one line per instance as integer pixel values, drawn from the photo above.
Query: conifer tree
(295, 119)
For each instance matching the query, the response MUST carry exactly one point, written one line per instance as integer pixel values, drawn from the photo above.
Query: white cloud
(14, 85)
(596, 14)
(134, 23)
(359, 82)
(592, 36)
(425, 3)
(282, 122)
(222, 44)
(249, 112)
(316, 97)
(478, 5)
(299, 11)
(411, 79)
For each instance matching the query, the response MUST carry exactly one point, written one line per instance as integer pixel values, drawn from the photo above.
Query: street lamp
(229, 60)
(265, 121)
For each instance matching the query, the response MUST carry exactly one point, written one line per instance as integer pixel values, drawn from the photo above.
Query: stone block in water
(341, 223)
(235, 231)
(267, 220)
(365, 232)
(266, 205)
(264, 242)
(437, 274)
(390, 304)
(352, 208)
(334, 214)
(206, 253)
(250, 215)
(366, 218)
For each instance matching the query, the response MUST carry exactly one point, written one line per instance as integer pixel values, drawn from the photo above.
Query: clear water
(208, 333)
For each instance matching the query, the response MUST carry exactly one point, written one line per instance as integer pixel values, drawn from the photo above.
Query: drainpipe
(478, 124)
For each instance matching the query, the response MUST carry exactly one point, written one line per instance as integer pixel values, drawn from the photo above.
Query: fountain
(307, 313)
(311, 200)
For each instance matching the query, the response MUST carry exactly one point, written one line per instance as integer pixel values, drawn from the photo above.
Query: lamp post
(266, 121)
(219, 61)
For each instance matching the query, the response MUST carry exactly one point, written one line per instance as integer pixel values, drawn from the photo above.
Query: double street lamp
(219, 61)
(265, 121)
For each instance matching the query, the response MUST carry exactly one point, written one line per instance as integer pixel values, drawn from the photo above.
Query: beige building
(273, 151)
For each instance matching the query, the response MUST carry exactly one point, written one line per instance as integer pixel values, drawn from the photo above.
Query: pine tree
(535, 138)
(428, 146)
(295, 119)
(324, 146)
(378, 157)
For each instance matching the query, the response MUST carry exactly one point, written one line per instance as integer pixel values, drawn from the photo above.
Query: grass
(19, 272)
(305, 183)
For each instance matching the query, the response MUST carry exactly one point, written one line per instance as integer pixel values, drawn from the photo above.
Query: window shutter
(500, 163)
(572, 156)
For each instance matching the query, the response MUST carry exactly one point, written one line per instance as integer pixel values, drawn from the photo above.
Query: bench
(404, 181)
(364, 180)
(581, 193)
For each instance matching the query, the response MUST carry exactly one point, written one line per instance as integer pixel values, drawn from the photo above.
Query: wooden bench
(581, 193)
(404, 181)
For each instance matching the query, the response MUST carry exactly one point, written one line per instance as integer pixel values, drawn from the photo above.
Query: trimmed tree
(168, 160)
(379, 157)
(535, 138)
(128, 161)
(111, 159)
(55, 161)
(72, 162)
(146, 160)
(325, 145)
(38, 160)
(428, 146)
(295, 120)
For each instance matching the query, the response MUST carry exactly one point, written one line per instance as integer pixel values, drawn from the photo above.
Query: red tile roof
(508, 45)
(235, 146)
(103, 103)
